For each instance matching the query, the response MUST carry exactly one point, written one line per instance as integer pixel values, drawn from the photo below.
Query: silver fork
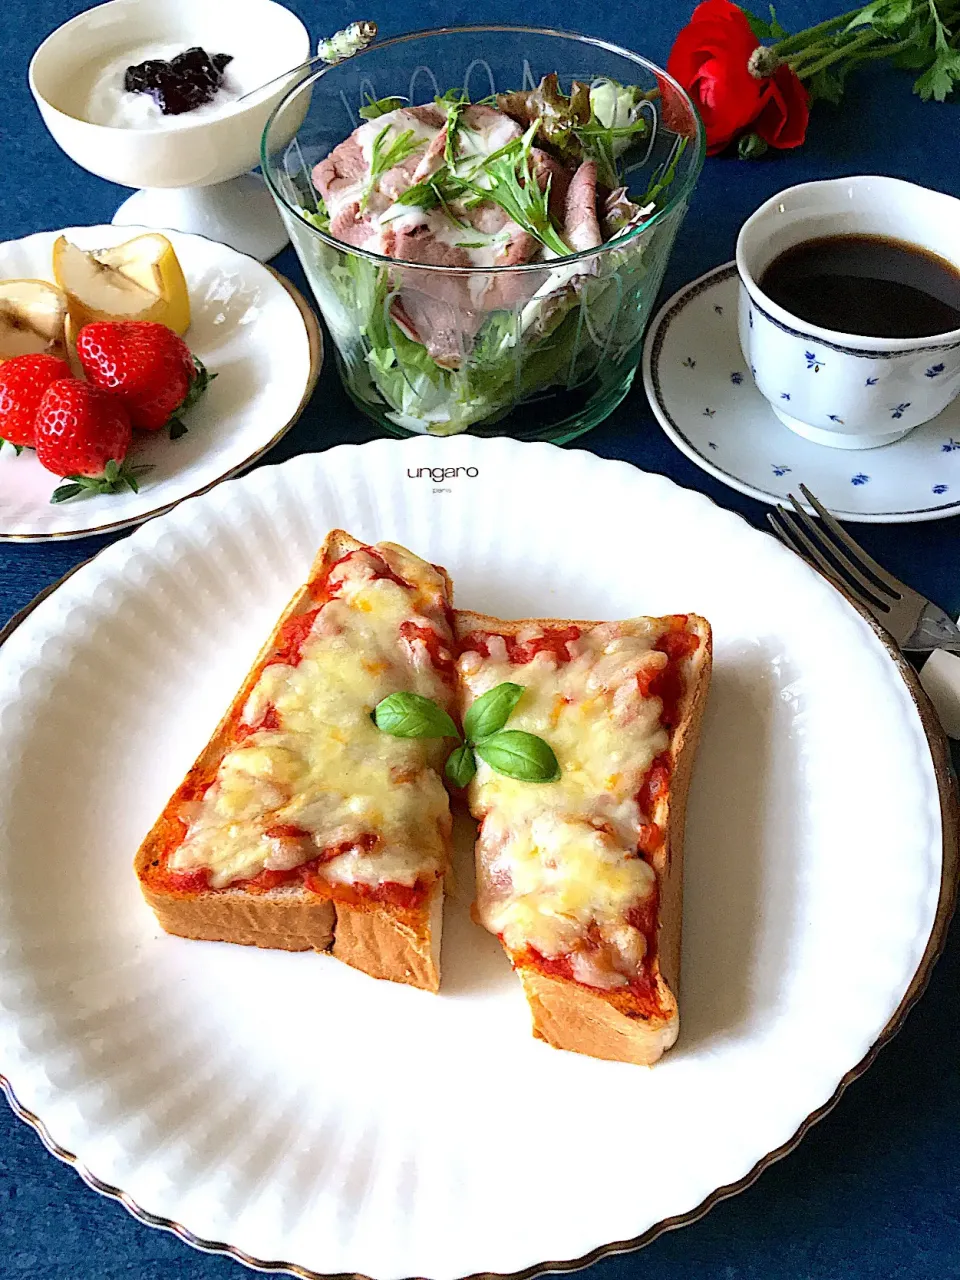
(915, 623)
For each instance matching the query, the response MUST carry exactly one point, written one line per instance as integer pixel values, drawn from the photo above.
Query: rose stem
(868, 38)
(803, 37)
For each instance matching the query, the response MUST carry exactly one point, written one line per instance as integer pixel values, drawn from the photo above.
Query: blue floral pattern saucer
(702, 392)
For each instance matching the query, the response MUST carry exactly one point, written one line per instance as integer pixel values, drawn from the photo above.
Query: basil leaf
(519, 755)
(411, 715)
(461, 765)
(491, 711)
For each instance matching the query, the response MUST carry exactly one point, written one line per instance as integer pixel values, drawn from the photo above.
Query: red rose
(711, 59)
(783, 121)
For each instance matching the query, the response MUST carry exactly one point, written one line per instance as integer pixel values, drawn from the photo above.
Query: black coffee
(867, 285)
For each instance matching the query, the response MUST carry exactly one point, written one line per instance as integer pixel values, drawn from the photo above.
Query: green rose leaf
(519, 755)
(759, 26)
(491, 711)
(751, 147)
(461, 766)
(411, 715)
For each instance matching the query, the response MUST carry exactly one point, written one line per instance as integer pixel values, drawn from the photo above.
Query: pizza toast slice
(300, 825)
(581, 877)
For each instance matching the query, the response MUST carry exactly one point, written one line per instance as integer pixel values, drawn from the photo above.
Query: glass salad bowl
(485, 263)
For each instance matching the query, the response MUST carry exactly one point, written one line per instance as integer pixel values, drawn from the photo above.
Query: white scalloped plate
(249, 326)
(301, 1113)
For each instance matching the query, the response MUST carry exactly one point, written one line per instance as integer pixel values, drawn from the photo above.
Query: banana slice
(32, 318)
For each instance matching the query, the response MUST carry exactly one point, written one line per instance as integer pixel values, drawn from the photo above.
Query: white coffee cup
(844, 389)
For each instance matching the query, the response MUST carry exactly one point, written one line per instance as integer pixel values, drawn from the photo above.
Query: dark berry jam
(188, 81)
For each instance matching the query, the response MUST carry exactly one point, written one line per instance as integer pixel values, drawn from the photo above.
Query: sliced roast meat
(404, 321)
(484, 130)
(353, 227)
(446, 280)
(581, 226)
(344, 176)
(506, 291)
(480, 132)
(445, 329)
(618, 213)
(546, 169)
(401, 177)
(425, 122)
(520, 247)
(343, 170)
(447, 309)
(432, 159)
(496, 241)
(488, 218)
(508, 244)
(436, 303)
(429, 114)
(422, 244)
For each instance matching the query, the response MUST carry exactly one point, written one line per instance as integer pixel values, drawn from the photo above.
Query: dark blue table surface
(873, 1192)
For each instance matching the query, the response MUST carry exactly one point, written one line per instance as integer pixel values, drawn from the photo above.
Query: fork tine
(880, 594)
(798, 542)
(866, 561)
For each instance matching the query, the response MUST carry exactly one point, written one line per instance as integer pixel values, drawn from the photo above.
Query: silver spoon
(342, 44)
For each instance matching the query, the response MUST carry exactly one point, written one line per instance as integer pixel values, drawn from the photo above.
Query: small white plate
(250, 326)
(287, 1108)
(701, 392)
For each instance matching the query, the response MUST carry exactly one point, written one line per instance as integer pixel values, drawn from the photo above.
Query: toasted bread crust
(399, 945)
(611, 1024)
(569, 1016)
(377, 938)
(293, 922)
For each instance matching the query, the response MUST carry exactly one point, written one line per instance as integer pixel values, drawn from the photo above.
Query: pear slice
(32, 318)
(70, 331)
(95, 291)
(120, 283)
(151, 261)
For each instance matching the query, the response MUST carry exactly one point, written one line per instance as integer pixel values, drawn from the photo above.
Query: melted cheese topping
(557, 867)
(328, 771)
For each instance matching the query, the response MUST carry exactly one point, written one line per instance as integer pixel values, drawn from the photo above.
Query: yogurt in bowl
(77, 79)
(110, 102)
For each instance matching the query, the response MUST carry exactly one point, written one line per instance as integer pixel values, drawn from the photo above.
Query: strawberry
(83, 434)
(23, 380)
(147, 367)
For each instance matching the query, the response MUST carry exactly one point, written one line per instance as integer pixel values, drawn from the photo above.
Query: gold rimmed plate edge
(316, 348)
(949, 799)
